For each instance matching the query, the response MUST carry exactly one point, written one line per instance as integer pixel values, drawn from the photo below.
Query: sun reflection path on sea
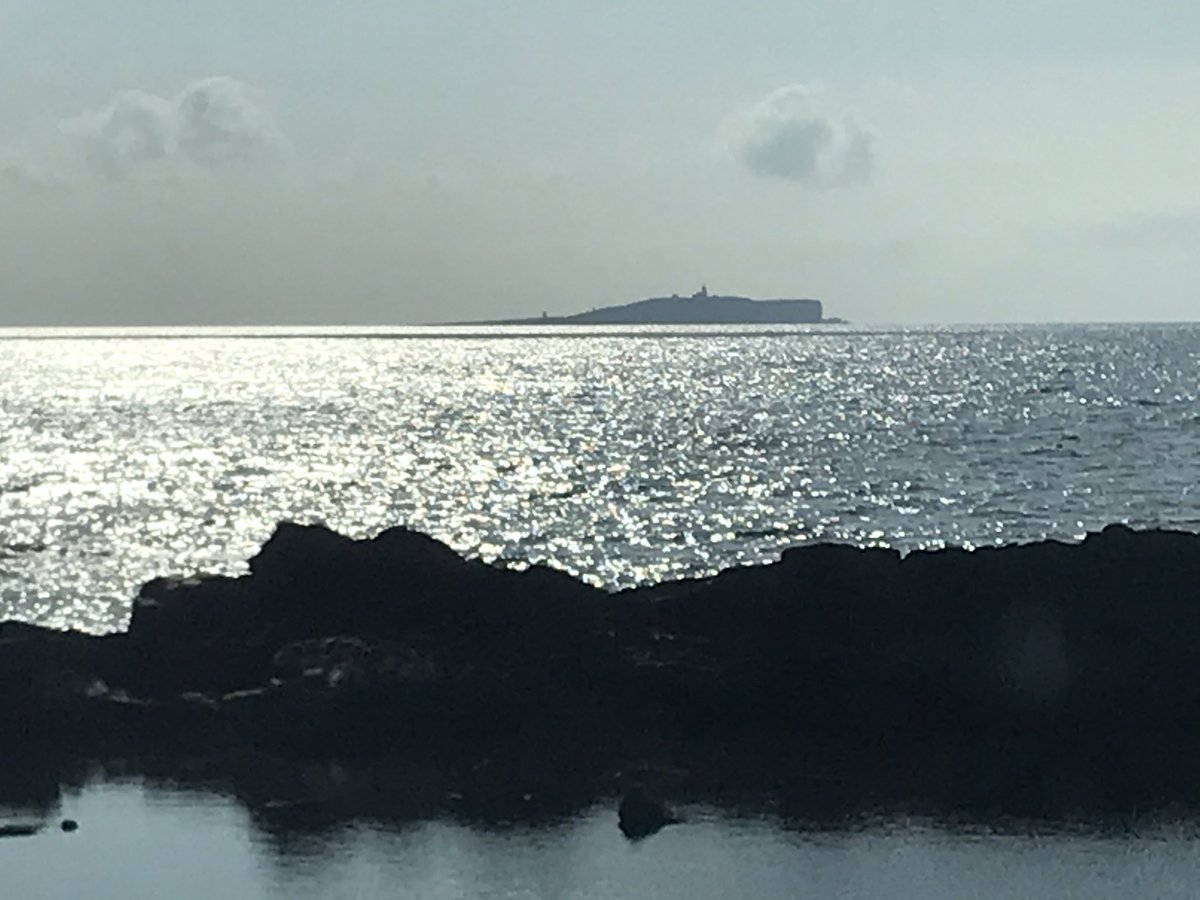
(620, 458)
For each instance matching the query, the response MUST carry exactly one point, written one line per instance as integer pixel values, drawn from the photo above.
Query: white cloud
(788, 135)
(212, 125)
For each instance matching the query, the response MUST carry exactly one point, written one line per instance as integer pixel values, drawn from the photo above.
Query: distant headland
(701, 308)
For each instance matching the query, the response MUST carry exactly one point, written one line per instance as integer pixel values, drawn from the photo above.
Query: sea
(622, 455)
(625, 456)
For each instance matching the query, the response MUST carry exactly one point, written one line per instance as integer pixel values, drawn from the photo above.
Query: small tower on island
(701, 294)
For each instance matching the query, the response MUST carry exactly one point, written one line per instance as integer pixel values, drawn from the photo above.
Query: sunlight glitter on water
(620, 458)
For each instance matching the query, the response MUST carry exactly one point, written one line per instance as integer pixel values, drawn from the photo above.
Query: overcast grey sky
(262, 161)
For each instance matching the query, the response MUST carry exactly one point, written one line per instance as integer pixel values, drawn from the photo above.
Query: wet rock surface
(1042, 678)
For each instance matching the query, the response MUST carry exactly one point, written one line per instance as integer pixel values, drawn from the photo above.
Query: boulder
(639, 815)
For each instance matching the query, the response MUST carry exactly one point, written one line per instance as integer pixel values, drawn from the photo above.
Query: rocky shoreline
(1042, 679)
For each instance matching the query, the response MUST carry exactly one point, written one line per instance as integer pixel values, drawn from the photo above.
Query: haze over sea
(624, 455)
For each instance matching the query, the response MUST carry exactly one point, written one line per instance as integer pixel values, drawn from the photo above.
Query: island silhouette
(700, 308)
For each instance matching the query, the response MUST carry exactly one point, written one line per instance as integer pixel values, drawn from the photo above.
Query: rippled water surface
(137, 842)
(624, 457)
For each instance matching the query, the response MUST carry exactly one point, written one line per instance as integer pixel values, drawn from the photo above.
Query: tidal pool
(142, 841)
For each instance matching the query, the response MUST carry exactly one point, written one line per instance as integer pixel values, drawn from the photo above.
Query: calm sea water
(624, 457)
(627, 456)
(139, 842)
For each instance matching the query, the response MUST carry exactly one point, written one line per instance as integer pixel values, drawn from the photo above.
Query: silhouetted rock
(1051, 672)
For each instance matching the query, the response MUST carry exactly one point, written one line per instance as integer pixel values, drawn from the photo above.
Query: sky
(371, 162)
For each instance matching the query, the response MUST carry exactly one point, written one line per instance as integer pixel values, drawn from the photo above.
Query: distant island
(701, 308)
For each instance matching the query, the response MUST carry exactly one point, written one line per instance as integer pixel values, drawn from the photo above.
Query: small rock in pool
(639, 816)
(69, 825)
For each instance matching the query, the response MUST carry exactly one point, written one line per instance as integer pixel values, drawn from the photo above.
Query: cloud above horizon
(788, 135)
(215, 124)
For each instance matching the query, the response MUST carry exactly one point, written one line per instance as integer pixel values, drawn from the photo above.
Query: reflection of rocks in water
(31, 792)
(306, 807)
(19, 830)
(31, 787)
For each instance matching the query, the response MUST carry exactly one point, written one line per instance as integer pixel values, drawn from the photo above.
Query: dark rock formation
(1028, 677)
